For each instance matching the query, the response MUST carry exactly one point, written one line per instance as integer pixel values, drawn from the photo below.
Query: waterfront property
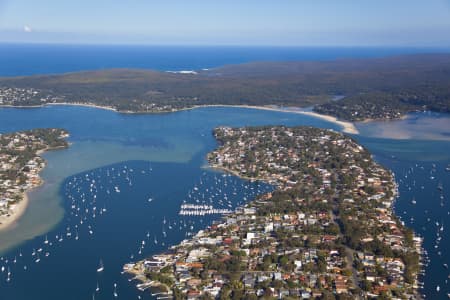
(20, 165)
(101, 139)
(328, 228)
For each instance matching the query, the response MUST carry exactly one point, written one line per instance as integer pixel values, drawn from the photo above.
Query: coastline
(133, 268)
(19, 210)
(347, 127)
(403, 117)
(83, 104)
(21, 206)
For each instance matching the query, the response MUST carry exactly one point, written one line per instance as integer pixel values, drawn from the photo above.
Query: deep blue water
(19, 59)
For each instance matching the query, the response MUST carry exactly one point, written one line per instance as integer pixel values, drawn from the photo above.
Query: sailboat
(101, 267)
(115, 290)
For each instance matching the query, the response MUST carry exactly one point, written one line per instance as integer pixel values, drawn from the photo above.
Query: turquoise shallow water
(157, 161)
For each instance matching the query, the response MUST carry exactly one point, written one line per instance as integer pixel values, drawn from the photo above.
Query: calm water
(18, 60)
(157, 157)
(157, 162)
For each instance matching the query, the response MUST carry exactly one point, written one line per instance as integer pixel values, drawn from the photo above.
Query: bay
(166, 154)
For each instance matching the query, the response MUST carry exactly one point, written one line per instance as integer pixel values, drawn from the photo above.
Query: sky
(414, 23)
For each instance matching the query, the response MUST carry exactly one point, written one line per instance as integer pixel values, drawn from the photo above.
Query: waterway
(136, 171)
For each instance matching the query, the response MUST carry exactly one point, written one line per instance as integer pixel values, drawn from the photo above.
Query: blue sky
(229, 22)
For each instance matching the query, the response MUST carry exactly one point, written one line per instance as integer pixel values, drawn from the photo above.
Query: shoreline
(22, 205)
(403, 117)
(19, 210)
(83, 104)
(417, 240)
(347, 127)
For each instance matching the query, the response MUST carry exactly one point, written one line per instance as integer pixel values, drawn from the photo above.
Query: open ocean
(157, 161)
(19, 60)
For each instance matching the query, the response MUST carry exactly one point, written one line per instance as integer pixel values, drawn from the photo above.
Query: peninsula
(327, 230)
(20, 165)
(375, 88)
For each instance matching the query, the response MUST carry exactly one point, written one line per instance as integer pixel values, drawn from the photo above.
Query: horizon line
(387, 46)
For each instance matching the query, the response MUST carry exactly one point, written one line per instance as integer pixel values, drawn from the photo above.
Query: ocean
(19, 59)
(136, 171)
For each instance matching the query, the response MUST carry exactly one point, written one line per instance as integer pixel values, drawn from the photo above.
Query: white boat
(100, 267)
(115, 290)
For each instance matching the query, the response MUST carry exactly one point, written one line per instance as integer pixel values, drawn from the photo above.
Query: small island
(327, 231)
(20, 164)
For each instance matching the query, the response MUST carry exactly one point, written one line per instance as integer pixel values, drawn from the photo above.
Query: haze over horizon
(271, 23)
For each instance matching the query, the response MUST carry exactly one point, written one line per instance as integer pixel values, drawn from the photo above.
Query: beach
(347, 127)
(17, 212)
(126, 216)
(84, 104)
